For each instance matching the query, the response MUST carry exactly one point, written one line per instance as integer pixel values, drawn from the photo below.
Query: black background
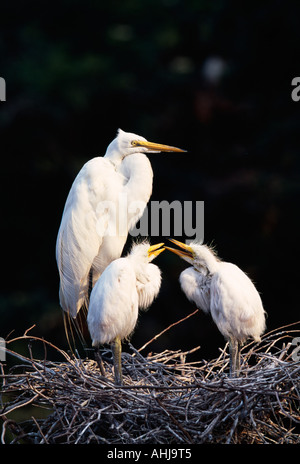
(77, 71)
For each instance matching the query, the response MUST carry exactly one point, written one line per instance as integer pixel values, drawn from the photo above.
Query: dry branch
(165, 399)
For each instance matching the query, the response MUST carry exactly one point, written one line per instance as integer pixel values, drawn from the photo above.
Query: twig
(168, 328)
(40, 430)
(21, 404)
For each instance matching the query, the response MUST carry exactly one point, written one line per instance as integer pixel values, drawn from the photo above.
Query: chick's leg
(116, 351)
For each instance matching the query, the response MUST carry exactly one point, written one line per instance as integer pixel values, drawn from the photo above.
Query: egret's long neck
(212, 265)
(211, 262)
(139, 268)
(114, 157)
(113, 154)
(138, 176)
(138, 173)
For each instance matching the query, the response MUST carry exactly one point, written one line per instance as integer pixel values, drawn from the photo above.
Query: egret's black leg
(90, 283)
(116, 351)
(99, 360)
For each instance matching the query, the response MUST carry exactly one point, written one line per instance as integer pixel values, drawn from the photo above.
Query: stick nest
(165, 398)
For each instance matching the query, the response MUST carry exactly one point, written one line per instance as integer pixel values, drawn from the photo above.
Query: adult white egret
(126, 285)
(92, 232)
(226, 292)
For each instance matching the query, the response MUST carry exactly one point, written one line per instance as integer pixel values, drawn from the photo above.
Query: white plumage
(93, 231)
(126, 285)
(226, 292)
(113, 309)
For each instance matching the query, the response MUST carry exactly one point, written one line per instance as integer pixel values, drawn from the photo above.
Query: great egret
(126, 285)
(91, 234)
(226, 292)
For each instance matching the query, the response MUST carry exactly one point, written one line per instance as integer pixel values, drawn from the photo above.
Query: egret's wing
(196, 287)
(149, 287)
(81, 233)
(113, 308)
(236, 306)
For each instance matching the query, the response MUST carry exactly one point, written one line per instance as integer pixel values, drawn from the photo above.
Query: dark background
(77, 71)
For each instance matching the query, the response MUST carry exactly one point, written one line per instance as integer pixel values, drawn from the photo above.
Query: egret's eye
(134, 143)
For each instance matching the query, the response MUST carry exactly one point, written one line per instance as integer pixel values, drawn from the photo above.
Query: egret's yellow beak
(155, 146)
(155, 250)
(186, 253)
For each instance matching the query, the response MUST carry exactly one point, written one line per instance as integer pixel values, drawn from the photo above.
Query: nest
(165, 399)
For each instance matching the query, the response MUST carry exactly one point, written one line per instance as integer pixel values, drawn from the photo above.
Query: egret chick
(226, 292)
(126, 285)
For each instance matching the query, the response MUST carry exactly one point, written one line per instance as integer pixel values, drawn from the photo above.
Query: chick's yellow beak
(156, 146)
(185, 252)
(155, 250)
